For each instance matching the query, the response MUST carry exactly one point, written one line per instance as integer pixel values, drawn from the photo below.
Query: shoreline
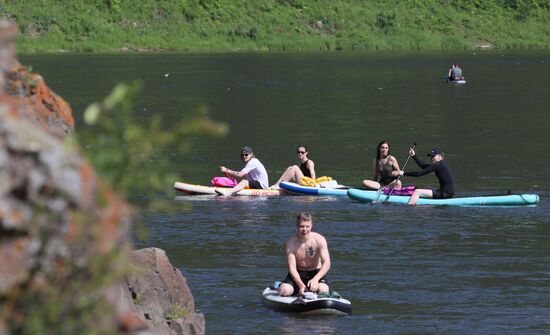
(291, 52)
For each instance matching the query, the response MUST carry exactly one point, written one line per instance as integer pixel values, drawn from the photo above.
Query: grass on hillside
(278, 25)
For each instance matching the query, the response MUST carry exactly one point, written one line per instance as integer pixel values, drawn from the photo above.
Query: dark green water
(406, 269)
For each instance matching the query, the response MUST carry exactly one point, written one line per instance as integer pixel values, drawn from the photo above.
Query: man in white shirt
(254, 173)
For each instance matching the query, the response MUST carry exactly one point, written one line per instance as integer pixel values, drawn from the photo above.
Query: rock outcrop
(64, 235)
(27, 93)
(161, 295)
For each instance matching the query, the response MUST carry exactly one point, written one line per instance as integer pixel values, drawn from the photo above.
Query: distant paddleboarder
(455, 73)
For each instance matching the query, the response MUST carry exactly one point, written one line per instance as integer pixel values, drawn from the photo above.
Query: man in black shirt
(442, 172)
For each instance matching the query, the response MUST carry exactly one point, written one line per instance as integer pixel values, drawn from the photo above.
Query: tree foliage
(122, 148)
(226, 25)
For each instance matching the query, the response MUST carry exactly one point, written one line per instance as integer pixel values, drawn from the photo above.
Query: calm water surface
(415, 270)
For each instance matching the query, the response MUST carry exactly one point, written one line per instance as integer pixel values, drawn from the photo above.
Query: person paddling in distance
(455, 73)
(295, 172)
(308, 260)
(254, 174)
(383, 166)
(442, 172)
(450, 74)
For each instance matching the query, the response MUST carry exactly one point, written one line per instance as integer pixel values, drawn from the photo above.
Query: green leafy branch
(121, 147)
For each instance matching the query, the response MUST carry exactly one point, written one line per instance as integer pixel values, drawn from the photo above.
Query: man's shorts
(255, 184)
(305, 276)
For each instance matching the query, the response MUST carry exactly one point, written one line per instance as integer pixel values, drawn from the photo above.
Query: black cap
(435, 151)
(246, 150)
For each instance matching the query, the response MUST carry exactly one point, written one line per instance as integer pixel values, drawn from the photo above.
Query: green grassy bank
(278, 25)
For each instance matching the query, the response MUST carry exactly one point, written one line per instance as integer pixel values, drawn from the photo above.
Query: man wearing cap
(254, 173)
(442, 172)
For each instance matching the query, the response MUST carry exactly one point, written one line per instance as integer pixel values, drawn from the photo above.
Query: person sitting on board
(442, 172)
(254, 174)
(308, 260)
(455, 73)
(383, 166)
(295, 172)
(449, 75)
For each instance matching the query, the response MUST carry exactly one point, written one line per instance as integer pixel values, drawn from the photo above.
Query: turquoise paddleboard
(495, 200)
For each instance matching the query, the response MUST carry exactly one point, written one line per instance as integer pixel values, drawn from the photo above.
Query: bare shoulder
(318, 237)
(291, 243)
(291, 240)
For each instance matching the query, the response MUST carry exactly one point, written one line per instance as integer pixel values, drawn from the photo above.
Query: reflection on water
(405, 269)
(308, 326)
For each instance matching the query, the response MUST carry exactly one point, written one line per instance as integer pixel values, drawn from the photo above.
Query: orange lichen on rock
(38, 102)
(109, 222)
(87, 177)
(14, 253)
(35, 99)
(48, 103)
(131, 323)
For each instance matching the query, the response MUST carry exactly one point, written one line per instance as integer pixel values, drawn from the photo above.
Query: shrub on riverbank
(279, 25)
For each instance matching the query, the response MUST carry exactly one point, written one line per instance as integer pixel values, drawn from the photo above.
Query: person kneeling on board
(442, 172)
(308, 260)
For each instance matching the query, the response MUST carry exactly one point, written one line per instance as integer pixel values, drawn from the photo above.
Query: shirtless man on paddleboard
(308, 260)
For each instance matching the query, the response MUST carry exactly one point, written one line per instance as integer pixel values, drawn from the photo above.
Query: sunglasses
(244, 155)
(300, 152)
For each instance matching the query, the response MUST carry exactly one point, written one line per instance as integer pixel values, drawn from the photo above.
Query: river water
(415, 270)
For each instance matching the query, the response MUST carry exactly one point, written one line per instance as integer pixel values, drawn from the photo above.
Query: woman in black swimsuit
(295, 172)
(383, 166)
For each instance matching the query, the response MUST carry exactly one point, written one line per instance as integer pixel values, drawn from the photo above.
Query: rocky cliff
(67, 264)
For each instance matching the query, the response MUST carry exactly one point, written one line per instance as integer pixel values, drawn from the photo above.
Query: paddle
(399, 177)
(378, 194)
